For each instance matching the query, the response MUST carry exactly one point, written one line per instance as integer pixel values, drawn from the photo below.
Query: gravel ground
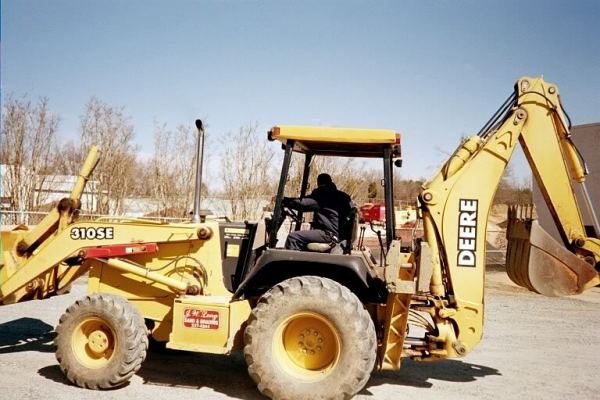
(533, 348)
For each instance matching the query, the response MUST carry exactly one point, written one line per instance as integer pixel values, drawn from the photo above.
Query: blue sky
(432, 70)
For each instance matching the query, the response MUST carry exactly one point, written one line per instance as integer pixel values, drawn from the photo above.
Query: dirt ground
(533, 348)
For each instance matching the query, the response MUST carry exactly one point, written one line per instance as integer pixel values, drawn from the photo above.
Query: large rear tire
(101, 341)
(310, 338)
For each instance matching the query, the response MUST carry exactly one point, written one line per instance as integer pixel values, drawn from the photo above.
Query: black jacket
(331, 208)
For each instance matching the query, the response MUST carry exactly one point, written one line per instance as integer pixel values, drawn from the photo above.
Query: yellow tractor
(312, 324)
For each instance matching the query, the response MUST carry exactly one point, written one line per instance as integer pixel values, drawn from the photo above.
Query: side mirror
(398, 162)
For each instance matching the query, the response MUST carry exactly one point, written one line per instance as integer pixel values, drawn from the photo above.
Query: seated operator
(331, 208)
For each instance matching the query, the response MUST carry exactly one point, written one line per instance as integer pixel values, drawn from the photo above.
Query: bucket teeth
(536, 261)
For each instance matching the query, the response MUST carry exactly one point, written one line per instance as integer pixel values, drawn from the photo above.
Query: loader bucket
(536, 261)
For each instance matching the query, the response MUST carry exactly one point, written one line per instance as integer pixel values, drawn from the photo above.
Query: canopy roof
(347, 142)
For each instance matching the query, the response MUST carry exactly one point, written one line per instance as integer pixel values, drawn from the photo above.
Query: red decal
(203, 319)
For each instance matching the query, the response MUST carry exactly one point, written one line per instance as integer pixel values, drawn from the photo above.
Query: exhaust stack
(199, 159)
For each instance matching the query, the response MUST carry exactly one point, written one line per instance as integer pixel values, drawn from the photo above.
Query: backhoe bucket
(536, 261)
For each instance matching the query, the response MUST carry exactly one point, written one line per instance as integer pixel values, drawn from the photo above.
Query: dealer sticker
(201, 319)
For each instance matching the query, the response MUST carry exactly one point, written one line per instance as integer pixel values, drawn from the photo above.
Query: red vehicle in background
(406, 217)
(372, 212)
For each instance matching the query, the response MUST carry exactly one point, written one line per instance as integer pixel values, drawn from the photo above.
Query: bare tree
(246, 173)
(406, 191)
(69, 157)
(511, 191)
(171, 170)
(109, 128)
(26, 143)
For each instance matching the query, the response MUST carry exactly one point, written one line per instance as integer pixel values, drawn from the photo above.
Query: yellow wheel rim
(93, 343)
(307, 346)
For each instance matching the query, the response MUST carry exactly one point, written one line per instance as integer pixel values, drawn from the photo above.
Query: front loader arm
(456, 204)
(21, 248)
(58, 217)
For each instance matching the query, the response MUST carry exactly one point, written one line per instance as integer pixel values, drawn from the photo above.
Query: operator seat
(344, 244)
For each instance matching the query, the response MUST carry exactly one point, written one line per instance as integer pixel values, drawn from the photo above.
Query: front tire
(310, 338)
(101, 342)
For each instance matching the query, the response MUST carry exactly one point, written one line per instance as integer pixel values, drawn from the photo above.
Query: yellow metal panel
(200, 323)
(239, 231)
(175, 240)
(238, 317)
(396, 317)
(10, 259)
(153, 301)
(93, 285)
(327, 134)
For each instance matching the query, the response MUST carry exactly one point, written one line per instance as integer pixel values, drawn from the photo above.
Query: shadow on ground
(185, 370)
(26, 334)
(420, 374)
(179, 369)
(53, 373)
(228, 374)
(223, 374)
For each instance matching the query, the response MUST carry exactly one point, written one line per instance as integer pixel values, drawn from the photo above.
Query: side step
(536, 261)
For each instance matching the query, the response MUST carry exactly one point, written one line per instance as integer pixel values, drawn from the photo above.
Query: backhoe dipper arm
(456, 203)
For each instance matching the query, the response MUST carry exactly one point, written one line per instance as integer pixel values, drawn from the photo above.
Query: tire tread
(130, 326)
(334, 296)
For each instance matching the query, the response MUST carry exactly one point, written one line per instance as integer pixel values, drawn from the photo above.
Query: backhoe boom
(456, 204)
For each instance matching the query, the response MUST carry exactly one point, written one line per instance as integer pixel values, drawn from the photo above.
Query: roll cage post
(304, 187)
(278, 210)
(388, 187)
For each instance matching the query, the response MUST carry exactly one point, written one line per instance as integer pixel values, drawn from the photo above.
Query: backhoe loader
(312, 324)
